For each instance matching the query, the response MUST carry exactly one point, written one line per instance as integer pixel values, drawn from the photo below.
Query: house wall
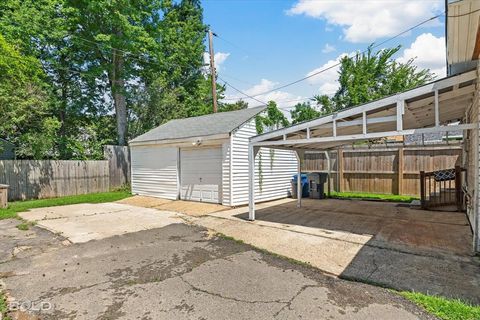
(471, 162)
(226, 173)
(277, 168)
(154, 171)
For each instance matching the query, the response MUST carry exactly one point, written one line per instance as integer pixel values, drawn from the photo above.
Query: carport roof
(207, 125)
(433, 107)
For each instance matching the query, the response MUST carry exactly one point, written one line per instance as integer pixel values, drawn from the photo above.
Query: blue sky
(264, 44)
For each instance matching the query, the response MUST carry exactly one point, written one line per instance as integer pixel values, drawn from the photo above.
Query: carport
(446, 105)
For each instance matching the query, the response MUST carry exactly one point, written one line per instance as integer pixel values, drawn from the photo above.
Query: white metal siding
(154, 171)
(201, 174)
(278, 166)
(226, 177)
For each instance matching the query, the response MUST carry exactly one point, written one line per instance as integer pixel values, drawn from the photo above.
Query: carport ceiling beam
(374, 135)
(428, 88)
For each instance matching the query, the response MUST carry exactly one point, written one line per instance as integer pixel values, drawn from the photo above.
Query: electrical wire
(364, 51)
(339, 63)
(241, 92)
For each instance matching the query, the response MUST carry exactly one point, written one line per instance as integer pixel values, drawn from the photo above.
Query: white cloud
(284, 99)
(368, 20)
(219, 57)
(328, 48)
(327, 81)
(428, 52)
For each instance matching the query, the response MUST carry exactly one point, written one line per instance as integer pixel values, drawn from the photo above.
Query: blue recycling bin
(305, 191)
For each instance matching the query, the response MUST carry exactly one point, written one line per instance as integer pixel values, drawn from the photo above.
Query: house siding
(154, 171)
(278, 166)
(226, 176)
(472, 163)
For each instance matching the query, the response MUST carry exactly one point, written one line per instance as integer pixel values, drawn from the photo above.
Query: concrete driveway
(176, 271)
(84, 222)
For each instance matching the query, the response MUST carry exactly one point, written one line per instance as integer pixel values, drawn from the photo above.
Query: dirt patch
(192, 208)
(145, 202)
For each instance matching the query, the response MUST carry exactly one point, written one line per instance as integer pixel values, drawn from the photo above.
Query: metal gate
(442, 188)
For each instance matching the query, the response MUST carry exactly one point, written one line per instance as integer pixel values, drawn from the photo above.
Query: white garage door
(201, 174)
(154, 171)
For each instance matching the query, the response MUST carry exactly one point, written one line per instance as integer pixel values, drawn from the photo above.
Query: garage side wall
(272, 181)
(154, 171)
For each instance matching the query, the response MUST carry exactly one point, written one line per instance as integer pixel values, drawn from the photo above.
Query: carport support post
(299, 154)
(252, 152)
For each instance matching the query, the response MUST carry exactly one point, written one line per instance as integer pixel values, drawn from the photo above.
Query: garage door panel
(201, 174)
(154, 171)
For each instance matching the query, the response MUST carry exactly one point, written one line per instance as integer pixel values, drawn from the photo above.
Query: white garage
(206, 159)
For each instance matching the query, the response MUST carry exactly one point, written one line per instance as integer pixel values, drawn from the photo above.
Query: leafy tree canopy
(303, 112)
(369, 76)
(272, 120)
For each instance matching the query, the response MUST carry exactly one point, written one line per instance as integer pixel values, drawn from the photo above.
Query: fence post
(422, 189)
(458, 188)
(340, 170)
(400, 170)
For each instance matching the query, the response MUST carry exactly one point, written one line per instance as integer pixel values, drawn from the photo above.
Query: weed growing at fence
(446, 309)
(373, 196)
(21, 206)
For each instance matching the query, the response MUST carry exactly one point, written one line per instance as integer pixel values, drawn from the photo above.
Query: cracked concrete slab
(182, 272)
(85, 222)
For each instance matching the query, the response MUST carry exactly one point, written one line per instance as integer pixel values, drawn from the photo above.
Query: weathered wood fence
(392, 170)
(119, 165)
(37, 179)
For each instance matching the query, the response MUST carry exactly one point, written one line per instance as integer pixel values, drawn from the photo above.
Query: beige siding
(154, 171)
(278, 166)
(472, 162)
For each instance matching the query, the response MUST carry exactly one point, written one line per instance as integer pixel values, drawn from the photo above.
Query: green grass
(24, 226)
(3, 307)
(446, 309)
(21, 206)
(373, 196)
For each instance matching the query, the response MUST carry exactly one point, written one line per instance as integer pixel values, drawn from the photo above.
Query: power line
(232, 44)
(463, 14)
(339, 63)
(241, 92)
(364, 51)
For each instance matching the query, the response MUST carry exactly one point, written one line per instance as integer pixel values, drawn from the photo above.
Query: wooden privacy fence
(392, 170)
(119, 165)
(37, 179)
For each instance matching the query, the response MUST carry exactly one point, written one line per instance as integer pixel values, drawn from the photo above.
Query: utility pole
(212, 70)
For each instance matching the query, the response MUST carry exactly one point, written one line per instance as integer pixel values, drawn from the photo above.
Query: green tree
(26, 118)
(176, 87)
(238, 105)
(273, 119)
(302, 112)
(369, 76)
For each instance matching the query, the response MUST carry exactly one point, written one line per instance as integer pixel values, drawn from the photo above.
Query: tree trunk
(118, 92)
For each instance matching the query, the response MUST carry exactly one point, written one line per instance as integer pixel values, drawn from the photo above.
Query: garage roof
(207, 125)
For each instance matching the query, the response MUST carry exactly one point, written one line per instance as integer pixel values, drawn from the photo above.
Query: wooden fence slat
(37, 179)
(383, 170)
